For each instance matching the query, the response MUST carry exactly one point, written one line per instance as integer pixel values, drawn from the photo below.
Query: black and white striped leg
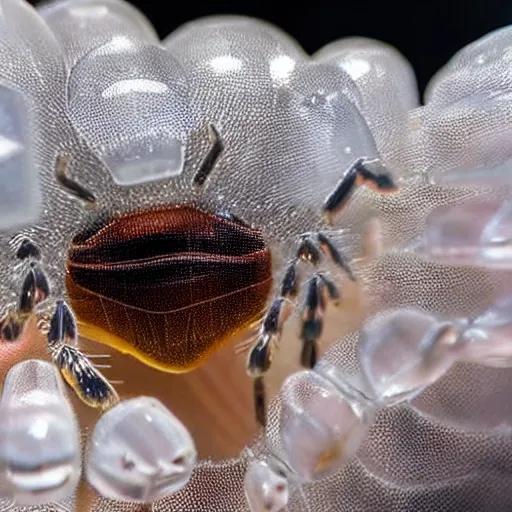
(34, 289)
(363, 171)
(60, 327)
(86, 380)
(312, 249)
(262, 353)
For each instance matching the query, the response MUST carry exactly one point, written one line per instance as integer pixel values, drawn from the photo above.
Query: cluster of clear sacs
(90, 79)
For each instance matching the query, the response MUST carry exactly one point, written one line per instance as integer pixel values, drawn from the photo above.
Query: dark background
(427, 32)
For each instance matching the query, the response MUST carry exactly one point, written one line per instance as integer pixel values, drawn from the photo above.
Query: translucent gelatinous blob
(490, 335)
(139, 451)
(387, 85)
(130, 100)
(291, 127)
(482, 65)
(266, 489)
(487, 175)
(81, 25)
(39, 439)
(472, 233)
(320, 428)
(19, 190)
(472, 131)
(383, 76)
(405, 350)
(467, 119)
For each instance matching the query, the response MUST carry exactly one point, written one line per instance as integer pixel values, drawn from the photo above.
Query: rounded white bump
(320, 428)
(39, 440)
(139, 451)
(266, 489)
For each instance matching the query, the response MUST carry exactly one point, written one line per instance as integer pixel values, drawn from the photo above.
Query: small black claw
(312, 321)
(260, 408)
(260, 357)
(211, 157)
(28, 249)
(34, 290)
(62, 326)
(343, 191)
(309, 251)
(28, 293)
(70, 185)
(11, 328)
(336, 256)
(333, 291)
(273, 320)
(379, 181)
(311, 329)
(308, 355)
(290, 285)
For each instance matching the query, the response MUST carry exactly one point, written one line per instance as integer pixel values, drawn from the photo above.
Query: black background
(427, 33)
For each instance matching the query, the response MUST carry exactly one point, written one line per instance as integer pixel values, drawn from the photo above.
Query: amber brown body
(169, 286)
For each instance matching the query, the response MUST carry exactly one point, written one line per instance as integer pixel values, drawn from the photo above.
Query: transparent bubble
(40, 459)
(139, 451)
(472, 233)
(266, 489)
(81, 25)
(130, 101)
(387, 86)
(404, 351)
(320, 429)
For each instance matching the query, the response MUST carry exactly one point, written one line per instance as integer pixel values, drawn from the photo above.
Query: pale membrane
(266, 490)
(20, 194)
(144, 94)
(472, 233)
(291, 128)
(40, 457)
(139, 451)
(387, 85)
(84, 24)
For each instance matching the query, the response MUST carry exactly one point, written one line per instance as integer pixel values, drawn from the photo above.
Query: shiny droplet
(403, 351)
(130, 101)
(470, 233)
(139, 451)
(39, 440)
(320, 429)
(266, 489)
(489, 336)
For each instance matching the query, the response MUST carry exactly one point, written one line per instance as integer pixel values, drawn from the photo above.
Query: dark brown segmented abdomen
(169, 286)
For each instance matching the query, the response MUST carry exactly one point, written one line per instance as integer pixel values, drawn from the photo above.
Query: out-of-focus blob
(19, 192)
(139, 451)
(266, 489)
(405, 350)
(467, 118)
(286, 122)
(387, 85)
(81, 25)
(498, 175)
(39, 437)
(489, 336)
(320, 428)
(130, 101)
(476, 232)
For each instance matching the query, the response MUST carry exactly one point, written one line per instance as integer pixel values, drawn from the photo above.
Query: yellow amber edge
(99, 335)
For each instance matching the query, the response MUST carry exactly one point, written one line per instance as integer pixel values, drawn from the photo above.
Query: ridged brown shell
(169, 286)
